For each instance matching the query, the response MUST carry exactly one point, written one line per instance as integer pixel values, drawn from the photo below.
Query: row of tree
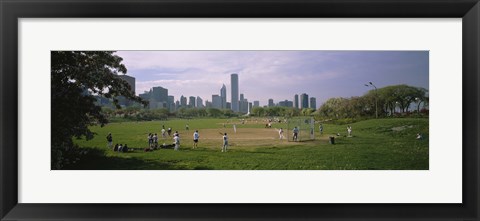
(386, 101)
(143, 114)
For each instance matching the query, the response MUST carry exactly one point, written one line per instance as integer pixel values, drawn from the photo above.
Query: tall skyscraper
(183, 101)
(223, 96)
(256, 103)
(171, 103)
(130, 80)
(270, 103)
(216, 101)
(199, 102)
(313, 103)
(191, 102)
(295, 102)
(243, 105)
(304, 100)
(234, 86)
(159, 94)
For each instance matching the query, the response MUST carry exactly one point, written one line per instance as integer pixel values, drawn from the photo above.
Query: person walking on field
(109, 140)
(321, 129)
(225, 143)
(196, 136)
(176, 141)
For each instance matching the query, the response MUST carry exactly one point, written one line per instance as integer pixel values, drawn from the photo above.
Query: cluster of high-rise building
(158, 97)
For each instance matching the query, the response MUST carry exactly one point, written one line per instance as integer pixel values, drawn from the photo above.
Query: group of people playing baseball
(153, 141)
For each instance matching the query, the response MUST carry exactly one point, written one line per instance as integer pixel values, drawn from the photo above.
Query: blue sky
(275, 74)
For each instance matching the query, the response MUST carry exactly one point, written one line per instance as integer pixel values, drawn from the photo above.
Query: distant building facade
(295, 101)
(270, 103)
(223, 96)
(183, 101)
(234, 96)
(199, 102)
(191, 102)
(131, 82)
(304, 100)
(313, 103)
(216, 101)
(285, 103)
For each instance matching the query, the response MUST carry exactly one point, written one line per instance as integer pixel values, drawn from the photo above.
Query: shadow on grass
(96, 159)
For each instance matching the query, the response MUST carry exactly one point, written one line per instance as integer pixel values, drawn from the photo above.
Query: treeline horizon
(394, 100)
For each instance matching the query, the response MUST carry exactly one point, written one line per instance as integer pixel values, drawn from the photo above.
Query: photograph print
(240, 110)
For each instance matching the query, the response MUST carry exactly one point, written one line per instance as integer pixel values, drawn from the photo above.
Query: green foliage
(278, 111)
(377, 144)
(76, 76)
(386, 98)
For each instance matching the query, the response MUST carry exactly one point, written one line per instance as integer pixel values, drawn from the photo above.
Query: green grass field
(378, 144)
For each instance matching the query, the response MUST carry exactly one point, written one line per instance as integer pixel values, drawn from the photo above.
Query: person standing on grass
(295, 134)
(225, 143)
(349, 130)
(235, 128)
(196, 136)
(169, 131)
(155, 140)
(163, 133)
(176, 141)
(321, 129)
(280, 133)
(109, 140)
(150, 140)
(187, 127)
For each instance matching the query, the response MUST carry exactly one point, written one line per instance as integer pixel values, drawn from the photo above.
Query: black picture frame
(11, 11)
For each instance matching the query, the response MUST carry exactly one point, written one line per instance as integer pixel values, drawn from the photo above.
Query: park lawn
(377, 144)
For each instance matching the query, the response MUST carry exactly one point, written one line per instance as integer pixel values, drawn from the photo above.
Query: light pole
(370, 84)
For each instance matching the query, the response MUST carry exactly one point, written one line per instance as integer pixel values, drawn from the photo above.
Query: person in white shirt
(225, 143)
(163, 133)
(195, 139)
(349, 130)
(176, 141)
(280, 133)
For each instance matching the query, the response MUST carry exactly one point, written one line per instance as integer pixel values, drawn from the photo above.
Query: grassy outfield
(378, 144)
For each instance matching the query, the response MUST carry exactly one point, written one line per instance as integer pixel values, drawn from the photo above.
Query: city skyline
(277, 75)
